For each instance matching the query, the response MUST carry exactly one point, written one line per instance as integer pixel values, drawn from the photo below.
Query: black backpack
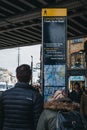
(70, 121)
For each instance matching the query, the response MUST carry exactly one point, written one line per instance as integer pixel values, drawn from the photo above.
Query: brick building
(76, 65)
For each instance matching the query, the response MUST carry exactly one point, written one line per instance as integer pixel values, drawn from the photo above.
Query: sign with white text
(54, 50)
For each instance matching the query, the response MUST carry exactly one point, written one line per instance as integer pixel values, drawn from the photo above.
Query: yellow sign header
(54, 12)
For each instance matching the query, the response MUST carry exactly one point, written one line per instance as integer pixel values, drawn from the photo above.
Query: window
(77, 61)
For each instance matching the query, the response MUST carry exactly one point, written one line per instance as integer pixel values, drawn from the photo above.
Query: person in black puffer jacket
(21, 106)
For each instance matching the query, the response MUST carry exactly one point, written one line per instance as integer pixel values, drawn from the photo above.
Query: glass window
(77, 61)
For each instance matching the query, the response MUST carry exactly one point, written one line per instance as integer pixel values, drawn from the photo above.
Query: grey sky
(9, 57)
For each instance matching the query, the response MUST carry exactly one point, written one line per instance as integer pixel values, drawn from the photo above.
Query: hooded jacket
(47, 120)
(20, 108)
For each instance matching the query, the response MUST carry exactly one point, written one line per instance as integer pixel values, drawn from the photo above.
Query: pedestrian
(21, 106)
(83, 104)
(59, 102)
(76, 93)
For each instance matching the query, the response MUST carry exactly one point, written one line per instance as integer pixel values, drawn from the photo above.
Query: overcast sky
(9, 57)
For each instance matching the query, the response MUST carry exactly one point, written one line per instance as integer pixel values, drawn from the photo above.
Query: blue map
(54, 75)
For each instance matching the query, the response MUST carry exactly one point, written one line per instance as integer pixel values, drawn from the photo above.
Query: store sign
(77, 78)
(79, 40)
(54, 50)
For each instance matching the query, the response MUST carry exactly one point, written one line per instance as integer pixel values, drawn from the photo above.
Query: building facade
(76, 62)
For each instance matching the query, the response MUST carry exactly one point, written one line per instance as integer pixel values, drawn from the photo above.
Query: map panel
(54, 75)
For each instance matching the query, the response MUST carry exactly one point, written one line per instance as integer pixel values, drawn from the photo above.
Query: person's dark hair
(23, 73)
(76, 83)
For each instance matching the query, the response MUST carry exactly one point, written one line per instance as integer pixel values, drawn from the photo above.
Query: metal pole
(32, 69)
(18, 56)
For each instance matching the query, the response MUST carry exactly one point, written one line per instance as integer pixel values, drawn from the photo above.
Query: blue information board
(54, 50)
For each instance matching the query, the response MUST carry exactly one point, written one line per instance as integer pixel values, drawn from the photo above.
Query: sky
(9, 57)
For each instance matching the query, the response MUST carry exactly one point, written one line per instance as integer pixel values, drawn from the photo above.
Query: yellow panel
(54, 12)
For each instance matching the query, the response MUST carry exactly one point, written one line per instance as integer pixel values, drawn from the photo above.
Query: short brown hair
(23, 73)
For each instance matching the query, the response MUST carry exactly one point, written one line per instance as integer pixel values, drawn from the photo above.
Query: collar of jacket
(22, 84)
(64, 105)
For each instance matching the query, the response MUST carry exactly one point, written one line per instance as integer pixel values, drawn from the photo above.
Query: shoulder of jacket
(35, 91)
(32, 88)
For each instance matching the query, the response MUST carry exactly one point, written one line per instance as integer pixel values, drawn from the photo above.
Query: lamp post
(18, 56)
(32, 69)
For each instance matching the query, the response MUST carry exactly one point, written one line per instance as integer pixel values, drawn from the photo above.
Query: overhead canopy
(20, 20)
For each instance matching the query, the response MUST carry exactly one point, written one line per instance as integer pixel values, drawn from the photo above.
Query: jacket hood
(64, 104)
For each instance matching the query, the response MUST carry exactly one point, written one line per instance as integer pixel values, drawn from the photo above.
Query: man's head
(23, 73)
(76, 86)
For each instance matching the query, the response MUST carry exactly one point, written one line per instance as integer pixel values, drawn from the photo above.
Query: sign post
(54, 40)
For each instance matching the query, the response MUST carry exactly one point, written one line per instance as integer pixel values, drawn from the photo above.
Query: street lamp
(32, 69)
(18, 56)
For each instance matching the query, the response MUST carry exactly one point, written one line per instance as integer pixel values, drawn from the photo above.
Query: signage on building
(54, 50)
(79, 40)
(77, 78)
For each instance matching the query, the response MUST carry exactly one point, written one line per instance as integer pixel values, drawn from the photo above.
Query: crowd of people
(23, 108)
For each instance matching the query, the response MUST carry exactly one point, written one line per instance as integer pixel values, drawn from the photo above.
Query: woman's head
(59, 94)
